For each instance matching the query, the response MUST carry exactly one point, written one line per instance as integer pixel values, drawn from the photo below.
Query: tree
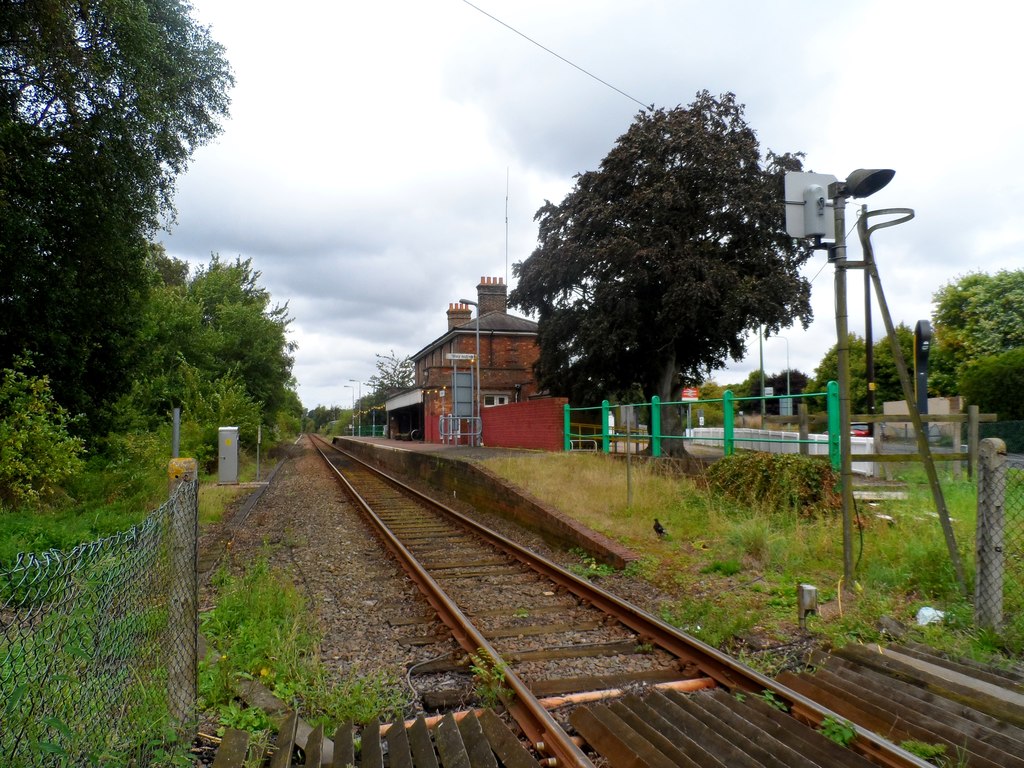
(101, 105)
(653, 268)
(213, 345)
(887, 381)
(976, 316)
(993, 383)
(393, 374)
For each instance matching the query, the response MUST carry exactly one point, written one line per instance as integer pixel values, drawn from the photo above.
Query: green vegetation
(261, 624)
(490, 679)
(842, 732)
(731, 565)
(37, 454)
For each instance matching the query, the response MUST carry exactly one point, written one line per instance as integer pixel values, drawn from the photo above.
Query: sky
(381, 157)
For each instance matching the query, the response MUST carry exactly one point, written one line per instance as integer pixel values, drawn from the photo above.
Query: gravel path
(362, 600)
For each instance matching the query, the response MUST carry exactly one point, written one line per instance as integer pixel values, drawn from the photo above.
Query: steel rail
(538, 724)
(725, 670)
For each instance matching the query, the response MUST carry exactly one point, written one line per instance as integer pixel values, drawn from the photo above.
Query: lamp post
(861, 183)
(479, 421)
(359, 418)
(352, 423)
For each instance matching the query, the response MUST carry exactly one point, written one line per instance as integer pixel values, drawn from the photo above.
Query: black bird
(659, 529)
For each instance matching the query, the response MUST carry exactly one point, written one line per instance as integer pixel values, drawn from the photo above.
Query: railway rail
(536, 626)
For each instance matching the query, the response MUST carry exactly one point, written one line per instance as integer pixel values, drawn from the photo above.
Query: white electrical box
(809, 211)
(227, 467)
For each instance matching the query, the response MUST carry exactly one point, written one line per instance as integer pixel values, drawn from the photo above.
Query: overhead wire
(559, 56)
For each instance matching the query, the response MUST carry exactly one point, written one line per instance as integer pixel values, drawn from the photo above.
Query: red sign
(690, 393)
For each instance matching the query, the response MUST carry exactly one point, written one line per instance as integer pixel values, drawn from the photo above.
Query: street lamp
(352, 422)
(359, 418)
(479, 421)
(861, 183)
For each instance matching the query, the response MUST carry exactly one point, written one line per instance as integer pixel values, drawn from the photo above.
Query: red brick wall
(536, 424)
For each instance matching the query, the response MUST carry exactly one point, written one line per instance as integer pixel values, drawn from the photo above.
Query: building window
(492, 400)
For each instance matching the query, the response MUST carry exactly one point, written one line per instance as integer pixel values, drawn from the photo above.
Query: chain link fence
(98, 646)
(999, 544)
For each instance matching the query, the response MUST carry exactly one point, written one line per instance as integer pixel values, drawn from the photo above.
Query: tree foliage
(393, 374)
(101, 105)
(37, 453)
(653, 267)
(993, 384)
(216, 347)
(976, 316)
(887, 382)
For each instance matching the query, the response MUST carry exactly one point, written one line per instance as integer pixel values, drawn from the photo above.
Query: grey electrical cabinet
(228, 451)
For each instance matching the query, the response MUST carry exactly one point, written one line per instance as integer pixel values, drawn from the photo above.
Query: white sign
(461, 356)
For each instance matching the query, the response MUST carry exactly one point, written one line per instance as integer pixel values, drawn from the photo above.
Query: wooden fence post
(183, 619)
(989, 555)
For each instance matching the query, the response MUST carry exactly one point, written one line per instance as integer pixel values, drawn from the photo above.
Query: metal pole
(838, 257)
(479, 402)
(760, 345)
(869, 349)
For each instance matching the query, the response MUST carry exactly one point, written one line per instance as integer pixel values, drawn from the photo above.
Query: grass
(731, 567)
(262, 625)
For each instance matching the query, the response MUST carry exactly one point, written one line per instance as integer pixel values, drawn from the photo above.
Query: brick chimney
(459, 314)
(492, 295)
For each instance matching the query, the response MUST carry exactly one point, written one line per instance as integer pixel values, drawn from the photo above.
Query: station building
(508, 351)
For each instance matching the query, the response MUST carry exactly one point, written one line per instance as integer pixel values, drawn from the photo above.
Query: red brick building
(508, 351)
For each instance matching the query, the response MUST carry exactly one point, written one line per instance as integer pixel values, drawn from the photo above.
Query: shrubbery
(37, 453)
(803, 484)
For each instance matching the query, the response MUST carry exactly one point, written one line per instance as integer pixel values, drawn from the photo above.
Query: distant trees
(653, 267)
(994, 384)
(977, 316)
(101, 105)
(887, 382)
(213, 344)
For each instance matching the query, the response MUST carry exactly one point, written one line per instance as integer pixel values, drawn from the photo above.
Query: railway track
(538, 635)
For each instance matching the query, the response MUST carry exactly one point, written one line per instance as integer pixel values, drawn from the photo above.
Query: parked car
(860, 429)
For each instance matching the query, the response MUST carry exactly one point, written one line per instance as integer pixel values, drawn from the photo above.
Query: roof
(492, 322)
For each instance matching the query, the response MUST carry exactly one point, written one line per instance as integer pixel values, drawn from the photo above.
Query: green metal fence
(98, 645)
(591, 427)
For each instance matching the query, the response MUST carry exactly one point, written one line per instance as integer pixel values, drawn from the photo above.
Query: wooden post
(973, 430)
(989, 555)
(183, 620)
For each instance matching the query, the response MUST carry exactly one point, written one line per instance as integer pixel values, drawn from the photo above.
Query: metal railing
(601, 430)
(98, 645)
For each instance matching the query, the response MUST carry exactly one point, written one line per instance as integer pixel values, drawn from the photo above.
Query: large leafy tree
(652, 269)
(976, 316)
(102, 103)
(216, 346)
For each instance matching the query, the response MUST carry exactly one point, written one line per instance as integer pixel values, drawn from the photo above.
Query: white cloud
(364, 167)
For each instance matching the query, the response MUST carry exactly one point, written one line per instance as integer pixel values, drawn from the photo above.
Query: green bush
(37, 453)
(805, 485)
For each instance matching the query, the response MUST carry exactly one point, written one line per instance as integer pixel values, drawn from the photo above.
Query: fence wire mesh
(98, 645)
(999, 547)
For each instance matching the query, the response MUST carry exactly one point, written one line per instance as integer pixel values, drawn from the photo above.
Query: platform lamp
(352, 423)
(807, 198)
(359, 414)
(479, 420)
